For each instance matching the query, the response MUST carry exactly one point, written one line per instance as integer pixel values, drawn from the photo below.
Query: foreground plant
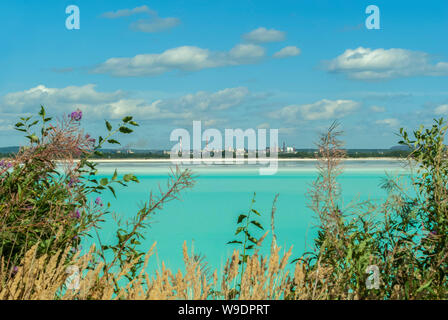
(45, 213)
(404, 238)
(50, 197)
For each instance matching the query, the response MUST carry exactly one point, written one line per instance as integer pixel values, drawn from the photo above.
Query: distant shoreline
(230, 161)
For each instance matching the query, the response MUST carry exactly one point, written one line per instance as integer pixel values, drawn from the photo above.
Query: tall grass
(45, 212)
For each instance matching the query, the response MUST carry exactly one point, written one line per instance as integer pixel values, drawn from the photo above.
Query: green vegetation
(46, 211)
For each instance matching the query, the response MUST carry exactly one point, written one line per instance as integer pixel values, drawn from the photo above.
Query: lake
(206, 215)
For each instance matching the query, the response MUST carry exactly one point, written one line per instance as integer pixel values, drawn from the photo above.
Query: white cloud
(289, 51)
(220, 100)
(264, 125)
(155, 25)
(441, 110)
(5, 125)
(152, 24)
(115, 105)
(320, 110)
(27, 100)
(367, 64)
(127, 12)
(185, 58)
(245, 52)
(263, 35)
(377, 109)
(391, 122)
(287, 131)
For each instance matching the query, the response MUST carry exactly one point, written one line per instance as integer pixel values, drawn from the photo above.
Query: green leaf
(252, 239)
(33, 138)
(257, 224)
(108, 126)
(127, 119)
(115, 175)
(104, 181)
(128, 177)
(234, 241)
(125, 130)
(256, 212)
(42, 111)
(241, 218)
(112, 141)
(238, 230)
(423, 287)
(113, 191)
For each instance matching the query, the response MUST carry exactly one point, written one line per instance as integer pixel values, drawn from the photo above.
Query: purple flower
(72, 182)
(76, 115)
(77, 214)
(89, 139)
(5, 164)
(14, 270)
(98, 201)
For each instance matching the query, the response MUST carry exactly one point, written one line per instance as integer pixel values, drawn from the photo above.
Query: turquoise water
(206, 215)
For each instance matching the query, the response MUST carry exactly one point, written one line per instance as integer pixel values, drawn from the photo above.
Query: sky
(295, 66)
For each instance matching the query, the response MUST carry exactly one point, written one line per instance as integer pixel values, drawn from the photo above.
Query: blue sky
(290, 65)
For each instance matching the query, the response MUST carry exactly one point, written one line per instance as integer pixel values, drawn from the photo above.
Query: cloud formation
(27, 100)
(368, 64)
(263, 35)
(320, 110)
(201, 105)
(377, 109)
(185, 58)
(156, 24)
(390, 122)
(152, 24)
(441, 110)
(127, 12)
(289, 51)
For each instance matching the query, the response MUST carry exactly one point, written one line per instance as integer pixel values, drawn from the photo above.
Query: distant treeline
(148, 155)
(282, 155)
(365, 153)
(302, 153)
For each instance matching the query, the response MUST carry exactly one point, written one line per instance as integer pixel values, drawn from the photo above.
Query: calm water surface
(206, 215)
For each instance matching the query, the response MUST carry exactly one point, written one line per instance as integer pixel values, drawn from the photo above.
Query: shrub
(46, 189)
(47, 208)
(405, 237)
